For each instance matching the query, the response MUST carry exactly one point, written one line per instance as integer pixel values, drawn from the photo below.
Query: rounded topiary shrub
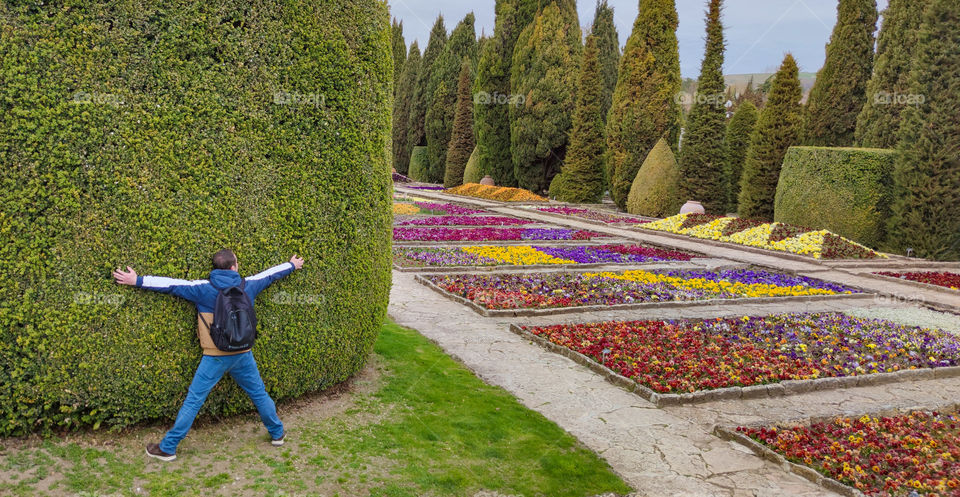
(151, 136)
(471, 174)
(419, 163)
(655, 189)
(844, 190)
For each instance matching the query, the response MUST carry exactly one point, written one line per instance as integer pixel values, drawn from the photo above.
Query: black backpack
(234, 322)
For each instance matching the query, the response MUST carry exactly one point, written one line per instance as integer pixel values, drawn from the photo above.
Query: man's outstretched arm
(258, 282)
(187, 289)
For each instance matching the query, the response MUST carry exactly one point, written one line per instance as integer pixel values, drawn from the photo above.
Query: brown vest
(203, 333)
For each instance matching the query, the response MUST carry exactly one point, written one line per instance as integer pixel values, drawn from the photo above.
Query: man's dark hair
(224, 259)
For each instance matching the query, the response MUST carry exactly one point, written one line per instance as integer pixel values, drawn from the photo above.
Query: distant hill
(739, 81)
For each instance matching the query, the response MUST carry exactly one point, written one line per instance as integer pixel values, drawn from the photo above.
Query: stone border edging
(779, 389)
(747, 248)
(553, 311)
(506, 268)
(814, 476)
(443, 243)
(572, 217)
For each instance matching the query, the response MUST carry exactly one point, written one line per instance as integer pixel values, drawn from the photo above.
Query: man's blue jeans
(244, 371)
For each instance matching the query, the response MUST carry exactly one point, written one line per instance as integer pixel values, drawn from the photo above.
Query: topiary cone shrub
(655, 191)
(126, 142)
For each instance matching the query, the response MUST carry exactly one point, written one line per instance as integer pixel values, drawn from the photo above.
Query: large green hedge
(151, 135)
(655, 191)
(844, 190)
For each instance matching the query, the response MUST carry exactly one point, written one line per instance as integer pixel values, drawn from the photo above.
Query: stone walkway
(667, 451)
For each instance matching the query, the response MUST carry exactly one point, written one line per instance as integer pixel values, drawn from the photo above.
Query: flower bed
(501, 193)
(909, 454)
(399, 178)
(465, 221)
(592, 215)
(404, 209)
(689, 355)
(947, 280)
(524, 291)
(819, 244)
(490, 234)
(522, 255)
(425, 187)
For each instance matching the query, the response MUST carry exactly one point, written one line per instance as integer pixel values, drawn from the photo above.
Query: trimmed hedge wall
(844, 190)
(419, 163)
(151, 135)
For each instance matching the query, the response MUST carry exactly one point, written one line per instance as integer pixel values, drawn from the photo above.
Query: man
(215, 362)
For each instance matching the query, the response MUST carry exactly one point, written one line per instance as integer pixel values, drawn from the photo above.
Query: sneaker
(153, 450)
(276, 442)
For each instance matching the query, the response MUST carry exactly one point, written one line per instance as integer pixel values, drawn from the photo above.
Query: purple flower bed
(441, 256)
(465, 221)
(489, 234)
(592, 215)
(752, 277)
(426, 187)
(617, 254)
(448, 208)
(399, 178)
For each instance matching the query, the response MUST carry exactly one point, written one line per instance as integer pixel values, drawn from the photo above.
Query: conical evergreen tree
(581, 179)
(644, 107)
(399, 54)
(735, 145)
(777, 130)
(422, 94)
(546, 61)
(462, 43)
(608, 44)
(879, 121)
(441, 97)
(701, 157)
(461, 138)
(401, 110)
(838, 95)
(926, 199)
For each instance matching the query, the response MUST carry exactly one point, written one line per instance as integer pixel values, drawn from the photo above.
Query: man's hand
(296, 261)
(128, 277)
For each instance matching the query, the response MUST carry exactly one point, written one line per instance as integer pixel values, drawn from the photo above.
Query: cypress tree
(416, 133)
(735, 145)
(838, 95)
(546, 61)
(439, 119)
(702, 156)
(399, 54)
(581, 179)
(644, 108)
(608, 44)
(461, 138)
(492, 84)
(879, 121)
(777, 130)
(926, 176)
(401, 110)
(441, 97)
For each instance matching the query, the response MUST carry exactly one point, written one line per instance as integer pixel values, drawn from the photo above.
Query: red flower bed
(913, 454)
(740, 224)
(698, 219)
(948, 280)
(783, 231)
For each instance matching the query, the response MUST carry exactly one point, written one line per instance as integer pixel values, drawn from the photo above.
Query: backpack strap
(205, 323)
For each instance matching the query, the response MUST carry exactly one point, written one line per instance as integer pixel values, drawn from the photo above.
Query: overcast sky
(758, 32)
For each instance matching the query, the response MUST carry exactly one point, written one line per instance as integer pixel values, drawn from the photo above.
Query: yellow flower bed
(404, 209)
(744, 289)
(501, 193)
(518, 256)
(809, 244)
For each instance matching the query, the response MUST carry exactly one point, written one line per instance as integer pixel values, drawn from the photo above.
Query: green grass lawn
(413, 423)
